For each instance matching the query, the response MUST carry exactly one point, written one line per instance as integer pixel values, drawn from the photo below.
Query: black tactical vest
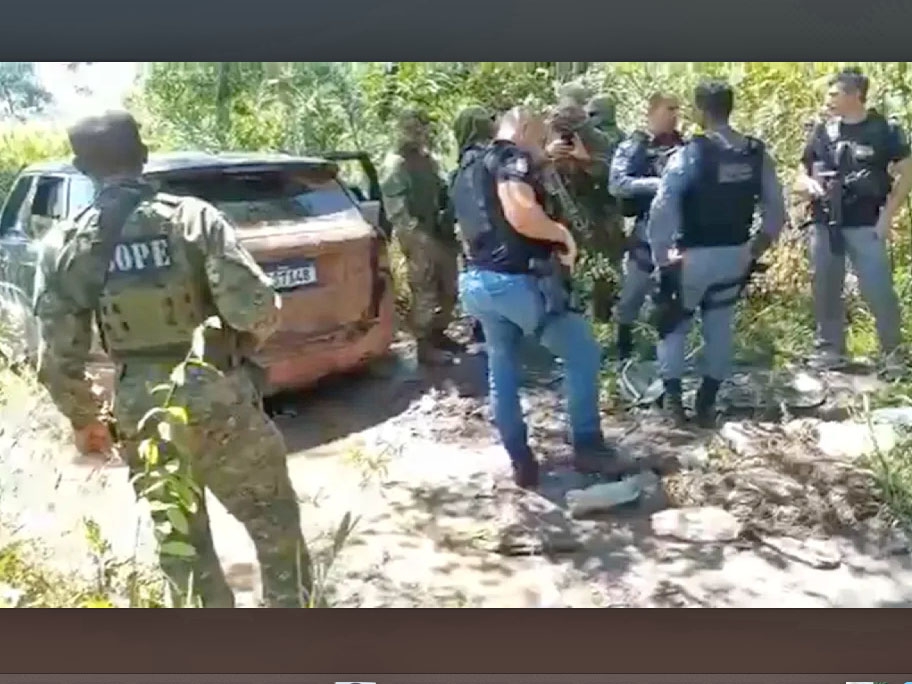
(718, 207)
(648, 160)
(859, 155)
(491, 242)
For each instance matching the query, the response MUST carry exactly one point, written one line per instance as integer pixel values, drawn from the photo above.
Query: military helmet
(603, 107)
(567, 118)
(473, 124)
(573, 93)
(107, 143)
(412, 126)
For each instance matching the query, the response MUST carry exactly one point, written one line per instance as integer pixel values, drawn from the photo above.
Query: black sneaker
(526, 474)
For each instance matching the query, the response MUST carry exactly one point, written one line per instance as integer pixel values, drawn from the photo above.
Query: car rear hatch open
(306, 232)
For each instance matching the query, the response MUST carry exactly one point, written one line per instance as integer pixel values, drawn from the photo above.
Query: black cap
(108, 143)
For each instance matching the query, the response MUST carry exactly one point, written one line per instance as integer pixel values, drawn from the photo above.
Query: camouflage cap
(567, 118)
(604, 108)
(412, 126)
(472, 125)
(573, 93)
(106, 143)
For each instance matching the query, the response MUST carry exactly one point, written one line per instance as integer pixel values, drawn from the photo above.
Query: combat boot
(526, 473)
(429, 355)
(444, 342)
(705, 403)
(625, 341)
(672, 403)
(601, 459)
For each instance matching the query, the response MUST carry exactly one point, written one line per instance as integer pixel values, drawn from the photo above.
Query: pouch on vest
(150, 304)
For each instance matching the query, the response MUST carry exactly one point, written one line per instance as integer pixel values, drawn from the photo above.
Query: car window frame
(15, 227)
(72, 181)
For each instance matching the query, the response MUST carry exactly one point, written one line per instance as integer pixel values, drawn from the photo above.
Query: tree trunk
(222, 100)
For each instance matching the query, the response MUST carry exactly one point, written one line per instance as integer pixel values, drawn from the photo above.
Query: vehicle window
(82, 194)
(48, 201)
(14, 203)
(268, 197)
(351, 173)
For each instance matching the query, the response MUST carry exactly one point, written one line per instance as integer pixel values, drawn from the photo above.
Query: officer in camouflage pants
(415, 196)
(127, 260)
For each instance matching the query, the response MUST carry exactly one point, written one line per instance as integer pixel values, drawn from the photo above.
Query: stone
(701, 525)
(899, 416)
(603, 497)
(814, 552)
(748, 439)
(694, 459)
(851, 440)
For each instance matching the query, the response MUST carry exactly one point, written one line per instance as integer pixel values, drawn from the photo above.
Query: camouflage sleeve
(621, 183)
(394, 185)
(665, 212)
(241, 291)
(66, 336)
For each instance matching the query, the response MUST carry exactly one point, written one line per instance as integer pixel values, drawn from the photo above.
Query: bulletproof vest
(718, 206)
(491, 242)
(153, 297)
(859, 155)
(648, 160)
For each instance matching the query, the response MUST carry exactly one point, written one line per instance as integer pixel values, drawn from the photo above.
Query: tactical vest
(491, 242)
(718, 206)
(153, 297)
(861, 161)
(647, 161)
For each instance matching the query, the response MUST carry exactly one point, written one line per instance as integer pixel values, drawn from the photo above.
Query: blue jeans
(509, 307)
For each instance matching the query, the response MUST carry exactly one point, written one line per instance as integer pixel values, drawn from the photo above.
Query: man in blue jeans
(498, 196)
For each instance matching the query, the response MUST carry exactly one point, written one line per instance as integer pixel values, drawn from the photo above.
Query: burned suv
(322, 241)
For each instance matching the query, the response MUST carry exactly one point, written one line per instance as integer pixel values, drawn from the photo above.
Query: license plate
(291, 275)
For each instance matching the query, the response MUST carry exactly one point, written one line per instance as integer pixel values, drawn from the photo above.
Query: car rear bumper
(285, 369)
(346, 349)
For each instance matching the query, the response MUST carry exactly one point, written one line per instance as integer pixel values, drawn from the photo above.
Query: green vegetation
(307, 107)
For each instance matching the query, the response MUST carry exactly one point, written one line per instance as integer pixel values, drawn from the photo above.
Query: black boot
(705, 403)
(525, 468)
(625, 341)
(477, 333)
(673, 403)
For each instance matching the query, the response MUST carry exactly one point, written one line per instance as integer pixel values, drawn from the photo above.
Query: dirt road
(413, 456)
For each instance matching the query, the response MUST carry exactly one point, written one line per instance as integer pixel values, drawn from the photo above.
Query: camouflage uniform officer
(474, 125)
(602, 111)
(586, 181)
(414, 193)
(151, 267)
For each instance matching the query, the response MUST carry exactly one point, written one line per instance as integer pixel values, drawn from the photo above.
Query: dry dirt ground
(412, 455)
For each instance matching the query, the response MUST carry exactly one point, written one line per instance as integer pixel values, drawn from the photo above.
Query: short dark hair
(853, 81)
(715, 98)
